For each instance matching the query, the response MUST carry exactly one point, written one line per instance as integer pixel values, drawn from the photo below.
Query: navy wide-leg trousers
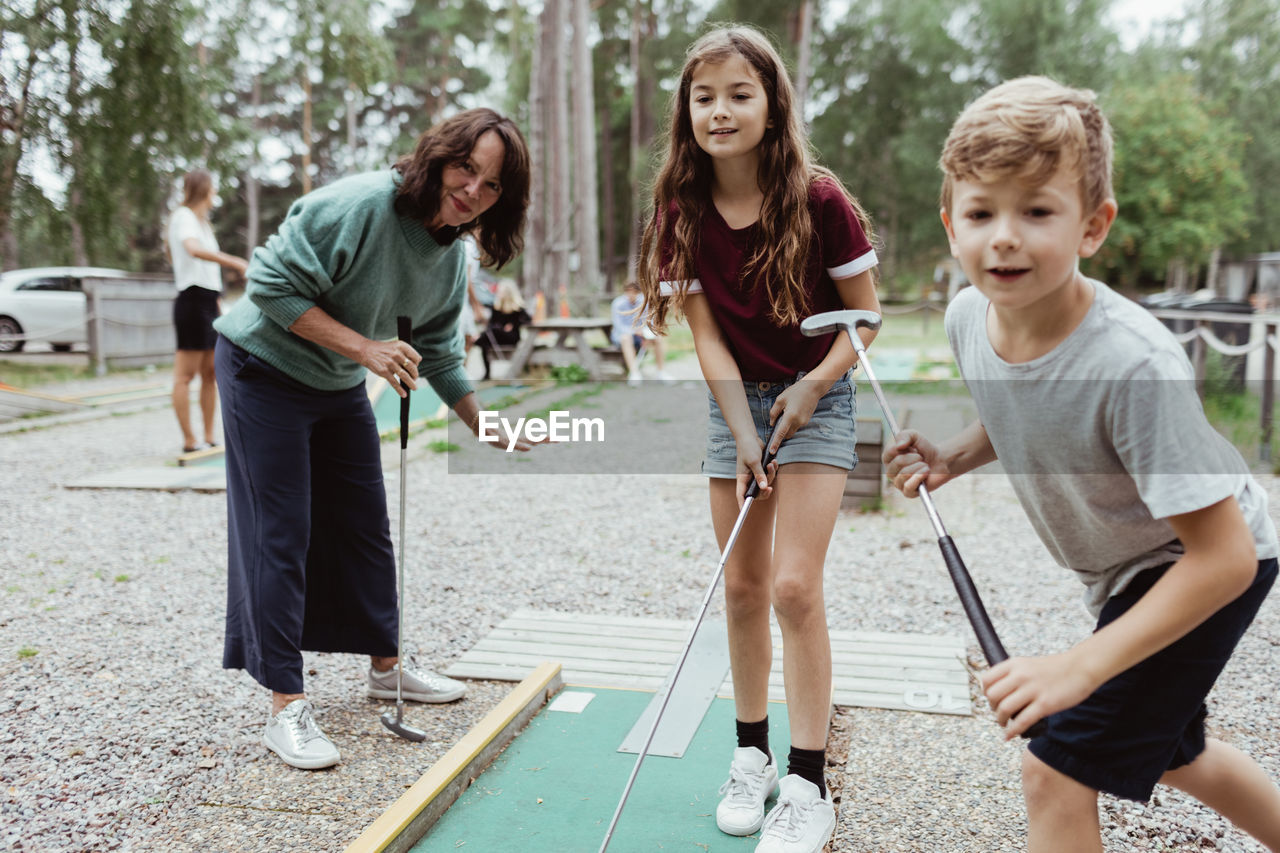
(310, 562)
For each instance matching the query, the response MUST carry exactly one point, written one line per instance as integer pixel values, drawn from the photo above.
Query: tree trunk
(608, 214)
(558, 179)
(350, 97)
(584, 126)
(306, 128)
(252, 194)
(637, 137)
(75, 194)
(534, 247)
(9, 169)
(804, 37)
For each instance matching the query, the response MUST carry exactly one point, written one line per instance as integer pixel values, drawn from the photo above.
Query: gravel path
(120, 731)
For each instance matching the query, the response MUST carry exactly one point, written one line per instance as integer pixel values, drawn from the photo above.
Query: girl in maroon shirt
(749, 237)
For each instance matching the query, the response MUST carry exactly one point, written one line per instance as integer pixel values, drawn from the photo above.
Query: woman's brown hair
(196, 186)
(499, 231)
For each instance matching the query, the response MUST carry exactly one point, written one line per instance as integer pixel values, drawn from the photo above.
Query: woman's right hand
(394, 361)
(912, 460)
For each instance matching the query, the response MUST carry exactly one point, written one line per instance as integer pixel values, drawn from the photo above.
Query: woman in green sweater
(311, 564)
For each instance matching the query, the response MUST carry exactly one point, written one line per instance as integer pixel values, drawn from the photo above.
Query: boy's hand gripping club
(850, 321)
(753, 491)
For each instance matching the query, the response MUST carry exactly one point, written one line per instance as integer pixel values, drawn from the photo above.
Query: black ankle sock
(809, 764)
(755, 734)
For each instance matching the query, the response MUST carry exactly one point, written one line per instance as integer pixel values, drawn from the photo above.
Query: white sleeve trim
(854, 267)
(669, 288)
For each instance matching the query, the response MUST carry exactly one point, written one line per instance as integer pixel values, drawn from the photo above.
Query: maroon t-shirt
(762, 350)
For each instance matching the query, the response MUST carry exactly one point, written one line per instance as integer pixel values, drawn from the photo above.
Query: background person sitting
(505, 320)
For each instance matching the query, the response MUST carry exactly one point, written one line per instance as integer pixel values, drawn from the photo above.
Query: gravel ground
(120, 731)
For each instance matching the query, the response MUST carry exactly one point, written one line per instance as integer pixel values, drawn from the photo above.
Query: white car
(46, 304)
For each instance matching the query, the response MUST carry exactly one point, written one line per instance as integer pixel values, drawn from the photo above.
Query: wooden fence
(1196, 327)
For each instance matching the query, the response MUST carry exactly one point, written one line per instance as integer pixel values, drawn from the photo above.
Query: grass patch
(570, 374)
(443, 447)
(21, 374)
(122, 578)
(907, 331)
(577, 398)
(24, 374)
(1234, 412)
(27, 652)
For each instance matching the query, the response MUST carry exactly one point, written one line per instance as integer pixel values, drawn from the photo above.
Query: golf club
(992, 648)
(397, 723)
(753, 491)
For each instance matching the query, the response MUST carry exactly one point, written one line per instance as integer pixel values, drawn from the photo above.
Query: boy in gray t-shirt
(1089, 404)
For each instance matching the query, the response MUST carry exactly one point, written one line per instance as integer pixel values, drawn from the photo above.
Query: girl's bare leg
(747, 581)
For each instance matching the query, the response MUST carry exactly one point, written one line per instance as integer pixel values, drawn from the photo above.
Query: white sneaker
(635, 378)
(751, 782)
(293, 735)
(420, 685)
(801, 822)
(666, 378)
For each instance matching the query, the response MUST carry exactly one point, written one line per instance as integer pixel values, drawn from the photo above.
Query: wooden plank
(878, 669)
(628, 661)
(408, 819)
(682, 627)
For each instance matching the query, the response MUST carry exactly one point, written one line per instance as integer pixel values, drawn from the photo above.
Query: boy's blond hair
(1025, 129)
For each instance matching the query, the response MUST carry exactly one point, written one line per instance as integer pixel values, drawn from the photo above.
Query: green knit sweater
(344, 248)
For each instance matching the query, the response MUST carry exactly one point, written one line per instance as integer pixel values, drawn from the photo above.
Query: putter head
(395, 722)
(834, 321)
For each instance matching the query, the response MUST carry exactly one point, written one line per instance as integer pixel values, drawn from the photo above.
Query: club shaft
(753, 490)
(992, 649)
(400, 592)
(404, 332)
(925, 499)
(671, 682)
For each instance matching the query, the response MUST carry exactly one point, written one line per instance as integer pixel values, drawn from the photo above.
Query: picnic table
(570, 346)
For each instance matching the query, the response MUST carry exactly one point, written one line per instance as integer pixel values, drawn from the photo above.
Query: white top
(189, 270)
(1104, 438)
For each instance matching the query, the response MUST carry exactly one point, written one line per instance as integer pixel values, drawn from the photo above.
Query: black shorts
(1149, 719)
(194, 311)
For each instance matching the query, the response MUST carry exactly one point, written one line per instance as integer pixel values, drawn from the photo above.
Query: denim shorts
(1150, 718)
(828, 438)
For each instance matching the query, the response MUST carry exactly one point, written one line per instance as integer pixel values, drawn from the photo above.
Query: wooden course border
(409, 818)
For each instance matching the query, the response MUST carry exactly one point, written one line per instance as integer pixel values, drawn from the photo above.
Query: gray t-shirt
(1103, 438)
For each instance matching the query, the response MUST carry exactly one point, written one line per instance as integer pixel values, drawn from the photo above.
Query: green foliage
(120, 97)
(887, 79)
(1235, 55)
(431, 44)
(570, 374)
(1178, 178)
(1067, 40)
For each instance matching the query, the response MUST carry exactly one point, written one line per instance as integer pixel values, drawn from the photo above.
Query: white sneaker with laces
(752, 780)
(420, 685)
(800, 822)
(293, 735)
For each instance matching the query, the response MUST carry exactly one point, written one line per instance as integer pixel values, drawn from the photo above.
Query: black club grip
(753, 490)
(404, 332)
(992, 649)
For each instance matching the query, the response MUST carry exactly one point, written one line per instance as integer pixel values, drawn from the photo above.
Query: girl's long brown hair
(785, 228)
(499, 230)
